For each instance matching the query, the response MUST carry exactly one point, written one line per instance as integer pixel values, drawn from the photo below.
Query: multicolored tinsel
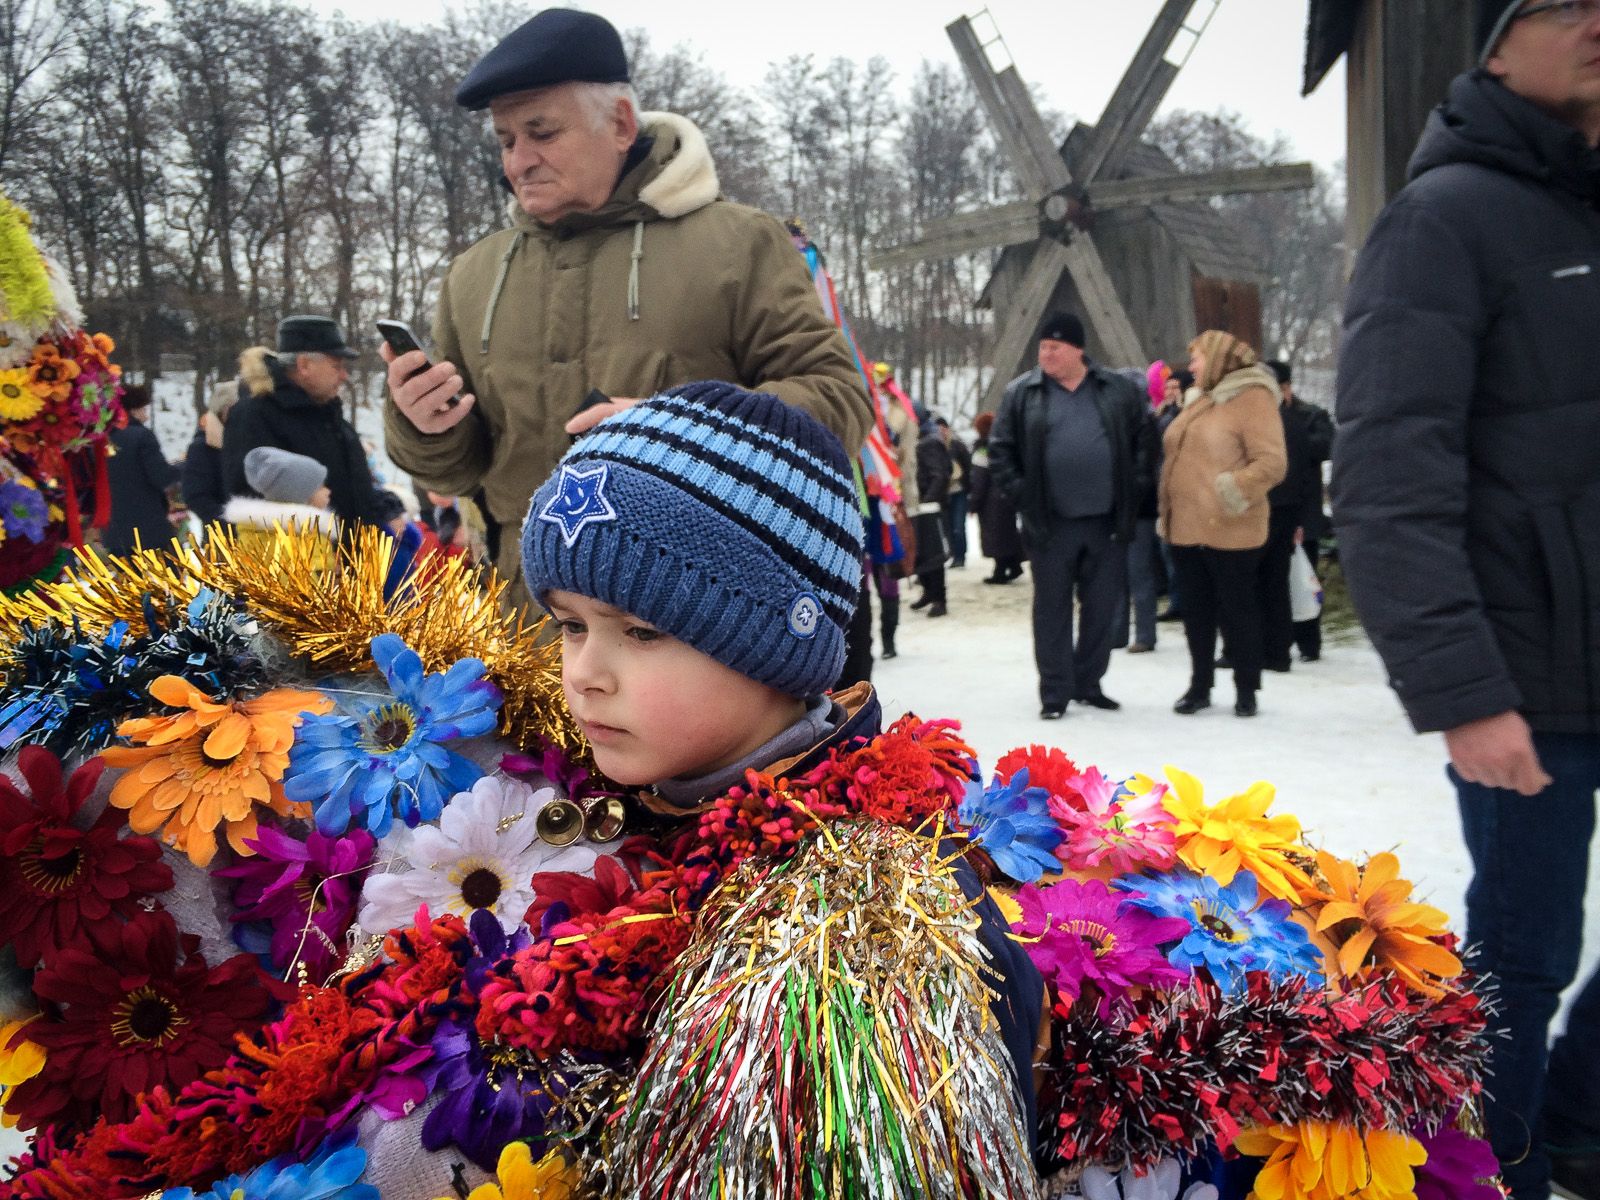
(445, 612)
(828, 1034)
(1196, 1064)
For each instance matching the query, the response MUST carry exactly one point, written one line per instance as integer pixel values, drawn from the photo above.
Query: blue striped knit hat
(724, 517)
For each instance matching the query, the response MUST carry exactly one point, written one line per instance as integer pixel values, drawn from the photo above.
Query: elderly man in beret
(622, 273)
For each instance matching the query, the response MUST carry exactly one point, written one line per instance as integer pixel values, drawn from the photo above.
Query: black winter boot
(890, 622)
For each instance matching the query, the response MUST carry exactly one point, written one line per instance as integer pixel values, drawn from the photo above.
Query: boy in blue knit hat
(701, 552)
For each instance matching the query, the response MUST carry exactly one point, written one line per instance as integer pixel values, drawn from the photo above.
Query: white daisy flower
(482, 854)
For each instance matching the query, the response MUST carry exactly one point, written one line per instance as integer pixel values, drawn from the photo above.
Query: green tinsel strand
(25, 296)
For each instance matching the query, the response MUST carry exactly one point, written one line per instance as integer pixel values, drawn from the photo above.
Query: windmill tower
(1052, 253)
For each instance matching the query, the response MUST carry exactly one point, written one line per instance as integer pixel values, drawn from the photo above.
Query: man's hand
(595, 413)
(1497, 752)
(424, 399)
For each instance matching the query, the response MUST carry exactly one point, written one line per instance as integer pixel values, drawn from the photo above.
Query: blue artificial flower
(1232, 931)
(23, 511)
(1011, 822)
(388, 759)
(332, 1173)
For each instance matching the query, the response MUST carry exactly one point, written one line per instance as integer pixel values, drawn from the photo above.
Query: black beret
(559, 45)
(1063, 327)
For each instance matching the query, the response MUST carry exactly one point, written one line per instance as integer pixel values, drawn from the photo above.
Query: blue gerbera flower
(389, 758)
(1232, 931)
(23, 511)
(332, 1173)
(1012, 823)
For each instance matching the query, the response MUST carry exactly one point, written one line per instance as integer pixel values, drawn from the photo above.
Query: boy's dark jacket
(1018, 1000)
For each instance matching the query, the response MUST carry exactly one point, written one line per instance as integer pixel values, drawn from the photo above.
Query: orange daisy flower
(210, 765)
(51, 374)
(1369, 915)
(1318, 1160)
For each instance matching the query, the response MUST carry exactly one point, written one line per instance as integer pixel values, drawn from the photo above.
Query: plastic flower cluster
(424, 948)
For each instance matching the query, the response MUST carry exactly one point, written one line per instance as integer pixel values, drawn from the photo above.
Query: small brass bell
(602, 820)
(559, 823)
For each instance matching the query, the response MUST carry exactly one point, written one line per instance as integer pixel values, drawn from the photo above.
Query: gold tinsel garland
(327, 608)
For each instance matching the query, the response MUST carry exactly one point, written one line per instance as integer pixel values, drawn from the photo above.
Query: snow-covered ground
(1330, 735)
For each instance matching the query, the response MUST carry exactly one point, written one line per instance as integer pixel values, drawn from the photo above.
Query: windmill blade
(1143, 86)
(1102, 311)
(1019, 128)
(962, 233)
(1174, 189)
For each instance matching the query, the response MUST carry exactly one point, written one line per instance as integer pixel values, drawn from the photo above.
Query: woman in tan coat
(1224, 452)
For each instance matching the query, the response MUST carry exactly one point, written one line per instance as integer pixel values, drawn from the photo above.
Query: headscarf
(1222, 354)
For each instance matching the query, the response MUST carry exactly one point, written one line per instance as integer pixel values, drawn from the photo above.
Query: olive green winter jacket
(662, 285)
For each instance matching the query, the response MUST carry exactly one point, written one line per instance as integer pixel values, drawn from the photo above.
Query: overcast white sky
(1249, 58)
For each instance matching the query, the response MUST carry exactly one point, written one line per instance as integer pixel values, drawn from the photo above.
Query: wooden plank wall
(1400, 65)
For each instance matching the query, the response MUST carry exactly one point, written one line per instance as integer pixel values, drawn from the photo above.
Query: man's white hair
(599, 101)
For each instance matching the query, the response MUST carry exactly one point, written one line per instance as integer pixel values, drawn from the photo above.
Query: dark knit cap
(724, 517)
(1494, 18)
(559, 45)
(1063, 327)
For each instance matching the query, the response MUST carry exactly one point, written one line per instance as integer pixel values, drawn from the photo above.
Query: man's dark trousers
(1076, 559)
(1277, 613)
(1530, 858)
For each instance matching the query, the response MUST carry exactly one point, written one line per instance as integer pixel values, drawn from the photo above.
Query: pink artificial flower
(1113, 827)
(1081, 934)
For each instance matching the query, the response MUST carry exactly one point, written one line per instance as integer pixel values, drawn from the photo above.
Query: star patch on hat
(579, 500)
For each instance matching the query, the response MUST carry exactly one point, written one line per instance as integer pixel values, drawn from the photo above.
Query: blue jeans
(1142, 579)
(955, 521)
(1530, 860)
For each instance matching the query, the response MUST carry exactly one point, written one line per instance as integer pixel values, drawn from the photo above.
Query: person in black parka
(139, 476)
(934, 468)
(204, 490)
(1466, 500)
(289, 399)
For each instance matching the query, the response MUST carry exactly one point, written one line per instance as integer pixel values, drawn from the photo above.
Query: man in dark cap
(622, 273)
(1466, 499)
(1073, 447)
(289, 399)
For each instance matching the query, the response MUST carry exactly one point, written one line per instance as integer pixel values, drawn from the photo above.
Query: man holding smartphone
(623, 273)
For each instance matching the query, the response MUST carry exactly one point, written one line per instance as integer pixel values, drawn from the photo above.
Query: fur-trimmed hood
(256, 373)
(252, 512)
(1234, 382)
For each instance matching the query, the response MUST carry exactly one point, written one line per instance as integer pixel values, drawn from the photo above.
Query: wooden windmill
(1053, 226)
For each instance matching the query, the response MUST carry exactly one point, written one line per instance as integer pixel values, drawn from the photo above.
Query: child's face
(653, 707)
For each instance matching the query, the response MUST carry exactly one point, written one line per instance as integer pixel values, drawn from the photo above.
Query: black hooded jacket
(272, 411)
(1466, 480)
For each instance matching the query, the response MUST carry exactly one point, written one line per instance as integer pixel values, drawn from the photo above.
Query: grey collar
(821, 718)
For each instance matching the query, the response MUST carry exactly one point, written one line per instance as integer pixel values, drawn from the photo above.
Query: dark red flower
(56, 880)
(146, 1012)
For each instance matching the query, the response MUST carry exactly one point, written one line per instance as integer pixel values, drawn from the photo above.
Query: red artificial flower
(905, 776)
(149, 1012)
(610, 886)
(58, 881)
(1048, 768)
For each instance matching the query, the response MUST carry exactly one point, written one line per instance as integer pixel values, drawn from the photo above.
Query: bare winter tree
(34, 36)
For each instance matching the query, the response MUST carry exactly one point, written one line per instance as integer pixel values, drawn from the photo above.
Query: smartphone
(402, 341)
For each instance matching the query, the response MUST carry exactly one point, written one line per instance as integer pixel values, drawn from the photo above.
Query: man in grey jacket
(1467, 504)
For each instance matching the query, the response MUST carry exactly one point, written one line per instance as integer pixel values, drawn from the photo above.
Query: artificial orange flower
(1223, 839)
(50, 374)
(1369, 915)
(209, 765)
(1318, 1160)
(20, 1061)
(520, 1178)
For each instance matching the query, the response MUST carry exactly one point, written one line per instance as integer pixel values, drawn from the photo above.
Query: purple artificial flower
(306, 891)
(569, 777)
(23, 511)
(1456, 1163)
(1080, 933)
